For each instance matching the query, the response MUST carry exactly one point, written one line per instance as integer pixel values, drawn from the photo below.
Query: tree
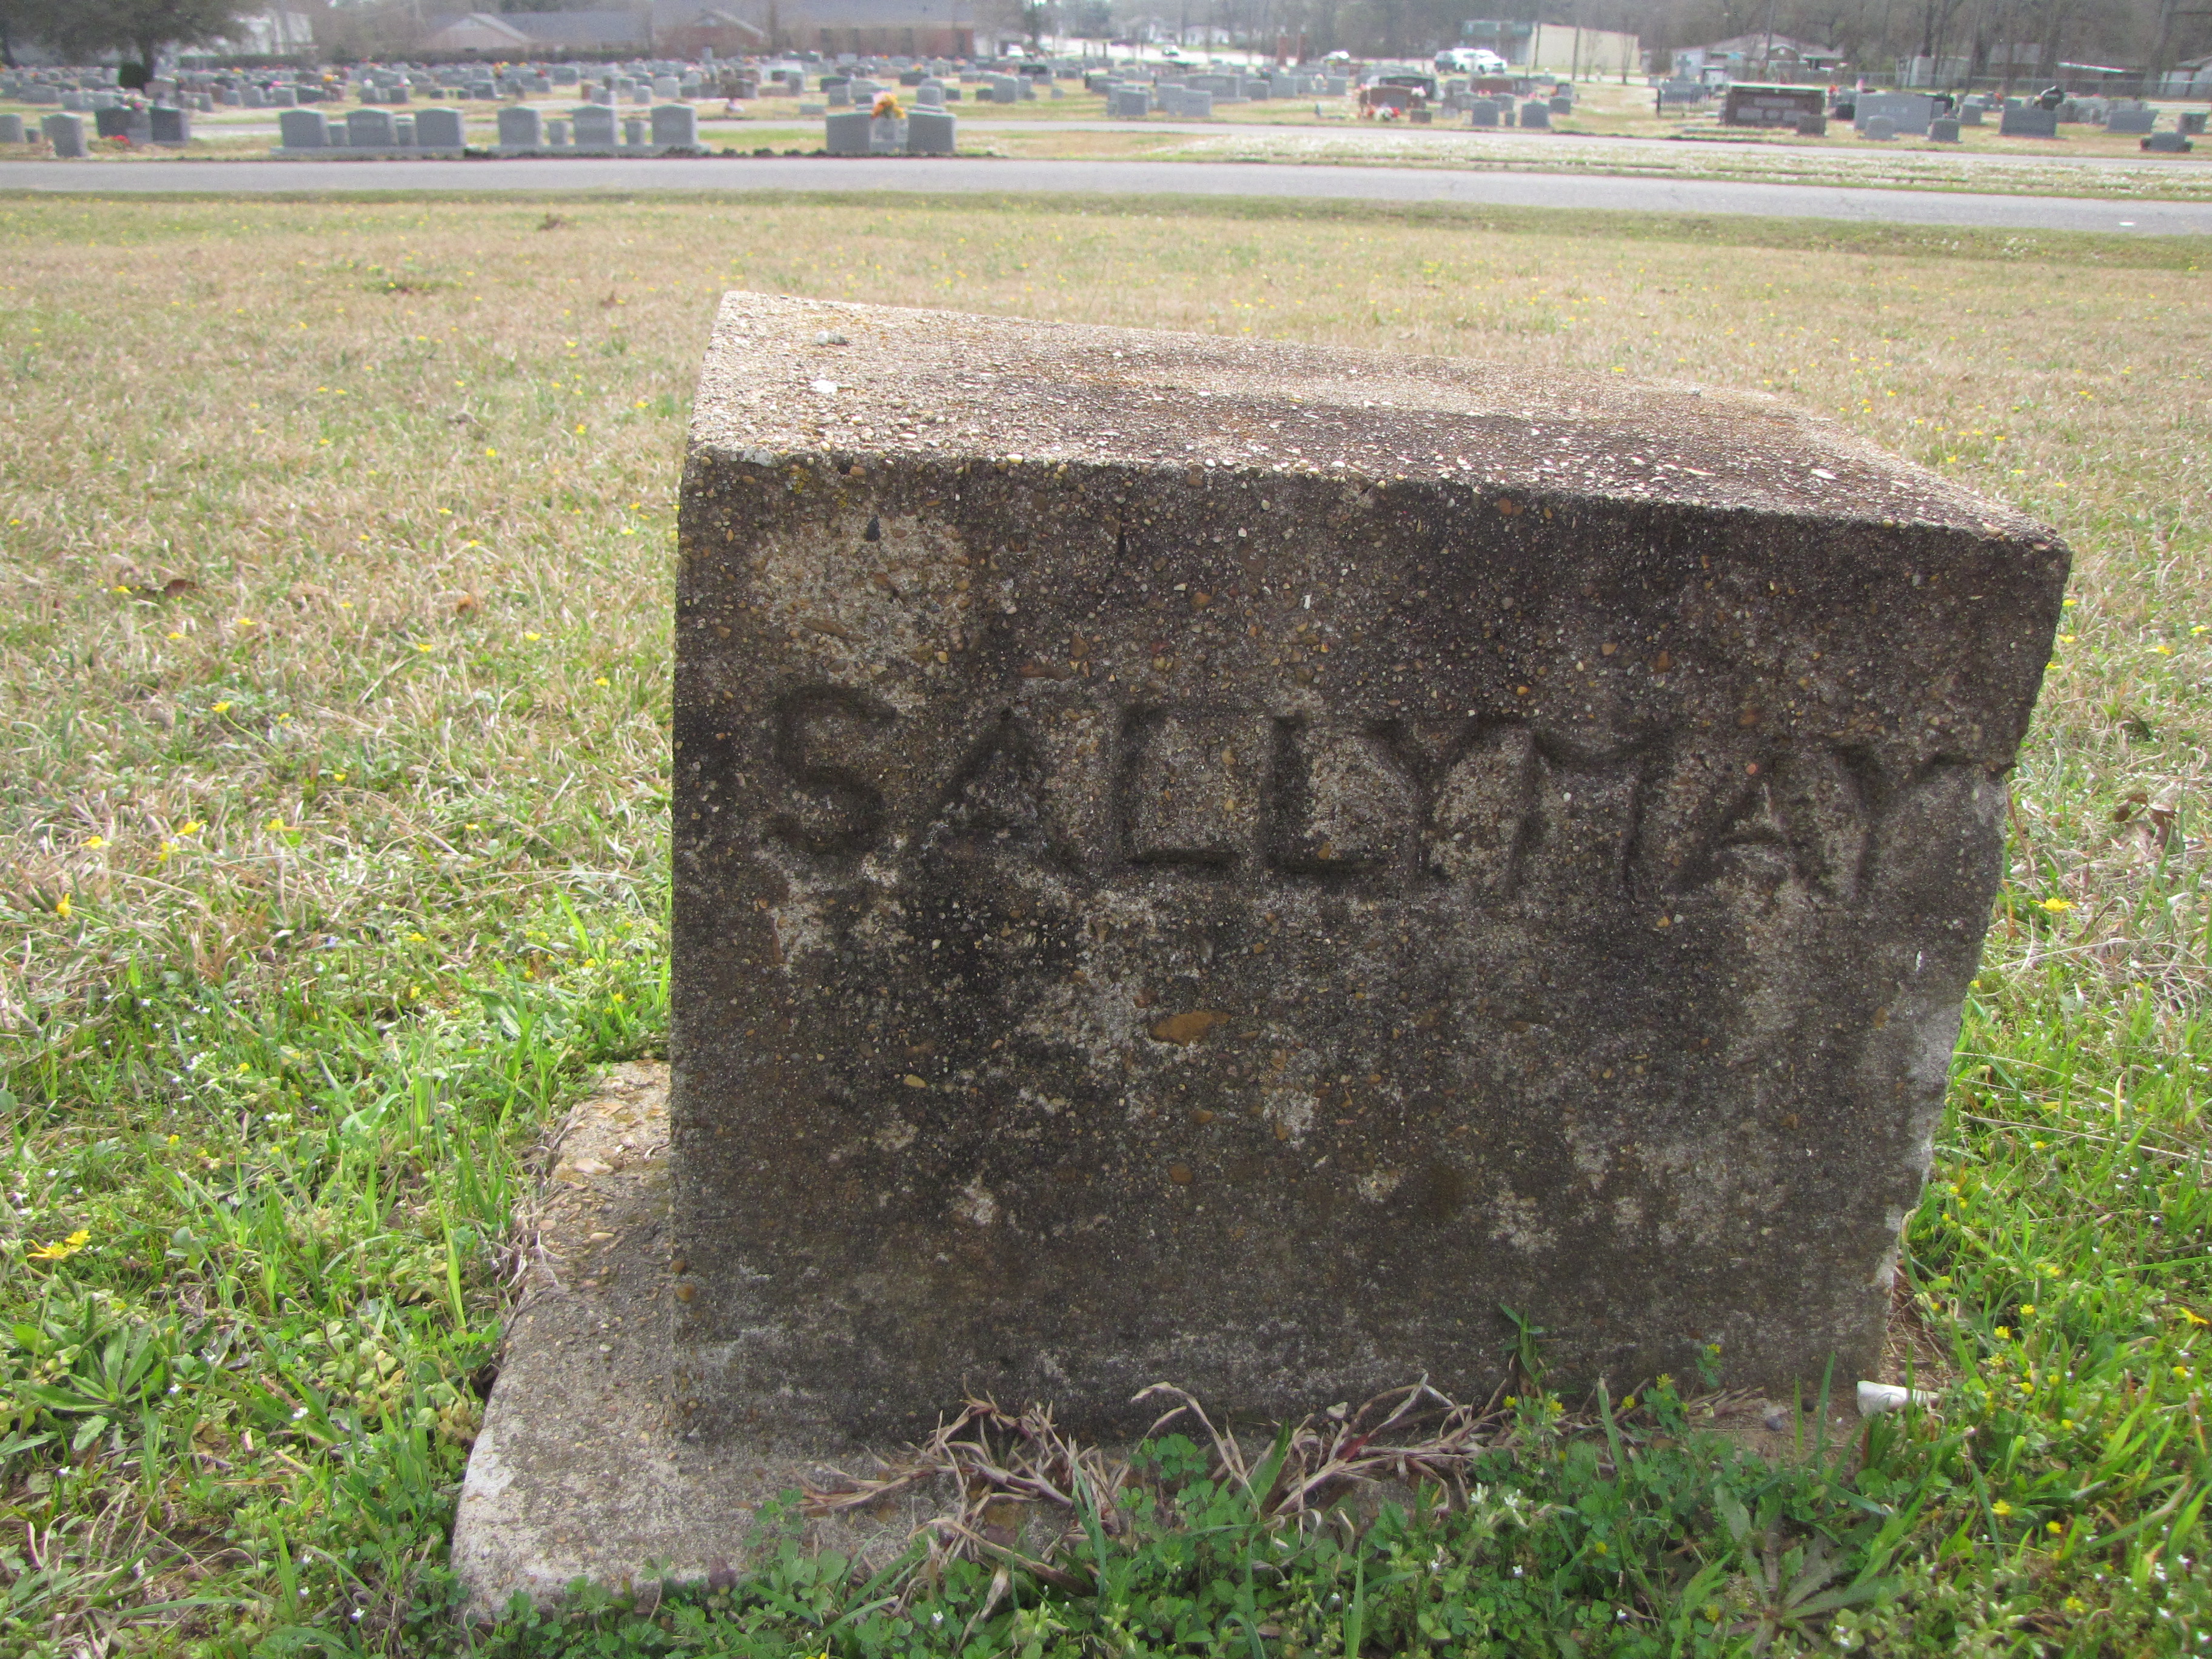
(26, 22)
(139, 29)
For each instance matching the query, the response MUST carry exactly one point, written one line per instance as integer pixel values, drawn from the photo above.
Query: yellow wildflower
(63, 1251)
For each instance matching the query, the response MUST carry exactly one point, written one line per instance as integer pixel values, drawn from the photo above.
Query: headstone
(838, 95)
(887, 135)
(368, 129)
(1081, 978)
(11, 130)
(302, 129)
(283, 97)
(2028, 121)
(114, 121)
(1483, 112)
(1877, 128)
(675, 127)
(1907, 113)
(520, 128)
(1811, 126)
(65, 132)
(667, 86)
(2130, 122)
(1562, 105)
(557, 133)
(845, 133)
(932, 132)
(1005, 89)
(634, 129)
(2172, 143)
(439, 128)
(929, 96)
(2192, 120)
(1944, 129)
(1970, 115)
(403, 131)
(1534, 114)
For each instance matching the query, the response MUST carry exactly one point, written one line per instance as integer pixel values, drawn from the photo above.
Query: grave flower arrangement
(887, 107)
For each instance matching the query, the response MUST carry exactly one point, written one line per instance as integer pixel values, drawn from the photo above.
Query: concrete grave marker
(2028, 121)
(932, 132)
(1227, 861)
(594, 126)
(302, 129)
(520, 128)
(65, 132)
(368, 129)
(1907, 113)
(675, 127)
(438, 128)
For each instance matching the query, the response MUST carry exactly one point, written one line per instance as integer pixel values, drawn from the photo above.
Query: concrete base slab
(576, 1473)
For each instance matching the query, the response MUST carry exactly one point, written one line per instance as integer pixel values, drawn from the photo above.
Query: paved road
(1371, 183)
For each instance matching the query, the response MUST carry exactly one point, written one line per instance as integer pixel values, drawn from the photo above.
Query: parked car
(1469, 60)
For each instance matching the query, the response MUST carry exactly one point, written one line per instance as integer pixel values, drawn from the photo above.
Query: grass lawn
(333, 815)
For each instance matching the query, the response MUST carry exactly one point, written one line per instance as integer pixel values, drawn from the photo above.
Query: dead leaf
(1188, 1027)
(460, 601)
(179, 585)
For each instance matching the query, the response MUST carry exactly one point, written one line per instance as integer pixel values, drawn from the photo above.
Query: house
(2191, 80)
(1760, 55)
(880, 28)
(525, 34)
(682, 29)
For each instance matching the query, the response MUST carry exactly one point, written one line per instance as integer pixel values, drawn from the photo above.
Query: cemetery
(1074, 105)
(1423, 930)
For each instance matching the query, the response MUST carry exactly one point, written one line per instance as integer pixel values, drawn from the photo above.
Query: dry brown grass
(415, 461)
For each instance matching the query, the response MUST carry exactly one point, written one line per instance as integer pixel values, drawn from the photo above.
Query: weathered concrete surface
(1225, 861)
(577, 1473)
